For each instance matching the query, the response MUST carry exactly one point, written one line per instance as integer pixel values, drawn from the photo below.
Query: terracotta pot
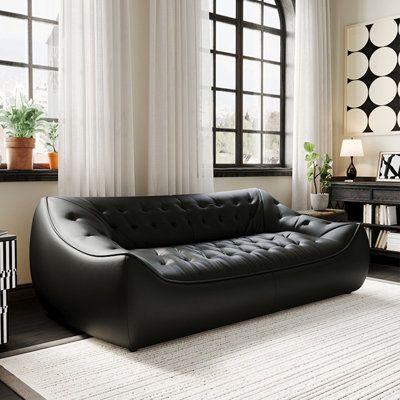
(53, 159)
(19, 152)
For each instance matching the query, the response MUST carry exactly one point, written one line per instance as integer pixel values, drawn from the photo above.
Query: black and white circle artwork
(373, 78)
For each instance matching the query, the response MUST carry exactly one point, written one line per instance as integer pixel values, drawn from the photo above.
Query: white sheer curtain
(96, 122)
(312, 90)
(180, 102)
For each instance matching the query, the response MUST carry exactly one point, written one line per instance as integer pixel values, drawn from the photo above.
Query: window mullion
(262, 91)
(30, 55)
(214, 92)
(239, 83)
(282, 150)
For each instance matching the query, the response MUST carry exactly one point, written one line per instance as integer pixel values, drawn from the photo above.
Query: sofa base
(161, 310)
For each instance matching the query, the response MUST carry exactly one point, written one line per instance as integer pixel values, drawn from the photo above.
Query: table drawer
(350, 194)
(388, 196)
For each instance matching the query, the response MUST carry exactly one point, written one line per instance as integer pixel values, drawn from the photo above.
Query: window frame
(239, 168)
(40, 171)
(29, 65)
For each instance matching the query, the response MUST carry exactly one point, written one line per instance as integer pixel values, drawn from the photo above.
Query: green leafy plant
(22, 118)
(318, 167)
(52, 136)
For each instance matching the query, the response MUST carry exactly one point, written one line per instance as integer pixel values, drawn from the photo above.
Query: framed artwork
(389, 167)
(372, 78)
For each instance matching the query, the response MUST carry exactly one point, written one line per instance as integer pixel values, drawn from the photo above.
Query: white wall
(348, 12)
(18, 201)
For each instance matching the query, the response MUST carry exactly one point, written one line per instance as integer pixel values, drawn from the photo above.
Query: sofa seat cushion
(247, 255)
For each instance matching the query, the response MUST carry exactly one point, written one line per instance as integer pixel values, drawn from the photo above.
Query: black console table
(8, 279)
(353, 195)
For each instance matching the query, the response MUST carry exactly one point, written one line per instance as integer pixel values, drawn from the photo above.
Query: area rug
(346, 347)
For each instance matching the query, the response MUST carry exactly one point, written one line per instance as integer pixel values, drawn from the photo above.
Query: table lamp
(351, 148)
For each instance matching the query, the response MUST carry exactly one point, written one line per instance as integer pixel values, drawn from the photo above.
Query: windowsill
(251, 171)
(39, 173)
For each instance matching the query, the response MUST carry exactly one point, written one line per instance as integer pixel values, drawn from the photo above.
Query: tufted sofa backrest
(157, 221)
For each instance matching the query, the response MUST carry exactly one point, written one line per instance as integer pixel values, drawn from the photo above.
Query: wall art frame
(388, 167)
(372, 78)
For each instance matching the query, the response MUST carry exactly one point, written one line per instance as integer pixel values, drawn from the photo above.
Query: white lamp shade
(352, 148)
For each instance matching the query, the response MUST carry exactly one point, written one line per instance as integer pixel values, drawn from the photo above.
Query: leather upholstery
(139, 255)
(232, 258)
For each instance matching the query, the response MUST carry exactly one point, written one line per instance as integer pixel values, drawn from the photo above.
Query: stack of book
(381, 215)
(385, 215)
(381, 241)
(393, 241)
(367, 219)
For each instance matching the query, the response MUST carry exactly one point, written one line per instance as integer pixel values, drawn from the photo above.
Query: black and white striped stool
(8, 279)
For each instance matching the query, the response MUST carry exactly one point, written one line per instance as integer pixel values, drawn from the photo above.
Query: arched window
(248, 49)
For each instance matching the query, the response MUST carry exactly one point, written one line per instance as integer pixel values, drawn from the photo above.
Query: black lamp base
(351, 171)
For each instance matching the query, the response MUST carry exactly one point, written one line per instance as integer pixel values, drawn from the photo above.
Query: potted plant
(51, 139)
(21, 120)
(319, 172)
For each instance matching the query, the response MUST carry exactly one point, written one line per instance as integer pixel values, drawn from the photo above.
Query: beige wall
(279, 186)
(18, 201)
(348, 12)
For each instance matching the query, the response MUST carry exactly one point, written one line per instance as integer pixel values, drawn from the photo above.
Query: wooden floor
(29, 324)
(385, 272)
(30, 327)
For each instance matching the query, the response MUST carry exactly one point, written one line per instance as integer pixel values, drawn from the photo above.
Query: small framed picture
(389, 167)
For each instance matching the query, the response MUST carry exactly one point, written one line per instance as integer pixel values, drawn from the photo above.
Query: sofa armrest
(82, 288)
(78, 227)
(292, 221)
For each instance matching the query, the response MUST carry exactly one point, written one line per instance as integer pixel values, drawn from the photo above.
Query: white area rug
(346, 347)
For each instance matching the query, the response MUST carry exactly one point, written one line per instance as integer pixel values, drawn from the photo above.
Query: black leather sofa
(136, 271)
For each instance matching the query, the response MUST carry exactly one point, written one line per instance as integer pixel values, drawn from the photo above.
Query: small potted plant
(51, 139)
(319, 172)
(21, 120)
